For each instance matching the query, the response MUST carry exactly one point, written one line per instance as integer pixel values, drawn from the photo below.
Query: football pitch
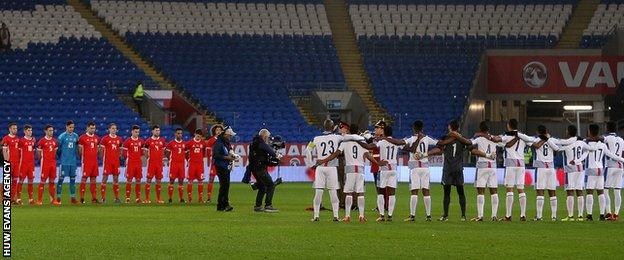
(174, 231)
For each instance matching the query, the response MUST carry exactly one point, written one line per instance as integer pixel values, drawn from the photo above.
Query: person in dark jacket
(223, 157)
(260, 155)
(5, 38)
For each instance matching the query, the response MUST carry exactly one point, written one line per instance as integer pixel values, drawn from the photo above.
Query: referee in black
(452, 146)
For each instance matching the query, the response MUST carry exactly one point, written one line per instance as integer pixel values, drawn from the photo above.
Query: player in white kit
(514, 168)
(574, 153)
(326, 175)
(354, 154)
(595, 171)
(546, 176)
(615, 170)
(485, 150)
(389, 153)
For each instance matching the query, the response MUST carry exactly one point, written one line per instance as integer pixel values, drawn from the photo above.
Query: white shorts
(387, 179)
(486, 178)
(546, 179)
(614, 178)
(595, 183)
(514, 176)
(354, 182)
(419, 178)
(326, 177)
(575, 181)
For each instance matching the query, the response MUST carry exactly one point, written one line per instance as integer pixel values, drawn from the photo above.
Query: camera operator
(262, 156)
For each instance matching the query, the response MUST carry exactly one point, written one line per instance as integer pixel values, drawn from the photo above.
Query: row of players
(583, 157)
(22, 152)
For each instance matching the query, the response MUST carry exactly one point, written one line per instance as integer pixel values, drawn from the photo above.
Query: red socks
(81, 189)
(116, 190)
(128, 188)
(158, 189)
(103, 190)
(148, 191)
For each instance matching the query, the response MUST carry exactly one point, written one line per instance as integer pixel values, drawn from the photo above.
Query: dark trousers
(224, 188)
(447, 199)
(265, 185)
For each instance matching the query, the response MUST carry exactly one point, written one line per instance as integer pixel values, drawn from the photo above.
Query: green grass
(199, 231)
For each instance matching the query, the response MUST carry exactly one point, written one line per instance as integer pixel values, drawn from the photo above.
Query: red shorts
(196, 171)
(90, 170)
(48, 171)
(27, 171)
(176, 171)
(111, 168)
(213, 171)
(134, 171)
(15, 169)
(154, 170)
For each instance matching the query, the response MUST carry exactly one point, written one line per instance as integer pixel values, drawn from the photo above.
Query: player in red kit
(11, 153)
(216, 130)
(133, 151)
(155, 148)
(88, 149)
(176, 150)
(27, 164)
(46, 148)
(111, 145)
(197, 151)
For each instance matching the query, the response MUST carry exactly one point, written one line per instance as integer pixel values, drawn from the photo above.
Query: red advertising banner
(554, 74)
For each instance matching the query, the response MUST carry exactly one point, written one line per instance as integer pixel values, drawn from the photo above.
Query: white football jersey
(486, 146)
(546, 152)
(615, 145)
(423, 146)
(572, 150)
(597, 151)
(353, 153)
(515, 152)
(388, 151)
(324, 145)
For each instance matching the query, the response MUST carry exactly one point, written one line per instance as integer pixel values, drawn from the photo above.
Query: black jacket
(260, 153)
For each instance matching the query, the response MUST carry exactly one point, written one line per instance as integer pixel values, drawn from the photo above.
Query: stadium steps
(348, 52)
(304, 106)
(127, 50)
(579, 21)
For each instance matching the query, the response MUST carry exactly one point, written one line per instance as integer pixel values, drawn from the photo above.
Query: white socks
(333, 196)
(348, 205)
(318, 198)
(607, 201)
(523, 202)
(413, 203)
(540, 206)
(617, 200)
(509, 204)
(553, 207)
(360, 204)
(494, 204)
(601, 203)
(580, 201)
(480, 203)
(391, 203)
(427, 201)
(570, 205)
(381, 204)
(589, 204)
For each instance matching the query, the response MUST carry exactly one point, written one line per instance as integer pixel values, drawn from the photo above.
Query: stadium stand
(61, 69)
(422, 58)
(236, 55)
(610, 14)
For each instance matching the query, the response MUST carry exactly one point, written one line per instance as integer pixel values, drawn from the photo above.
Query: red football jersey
(12, 142)
(177, 150)
(134, 150)
(196, 150)
(27, 148)
(209, 143)
(48, 149)
(89, 148)
(111, 148)
(156, 148)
